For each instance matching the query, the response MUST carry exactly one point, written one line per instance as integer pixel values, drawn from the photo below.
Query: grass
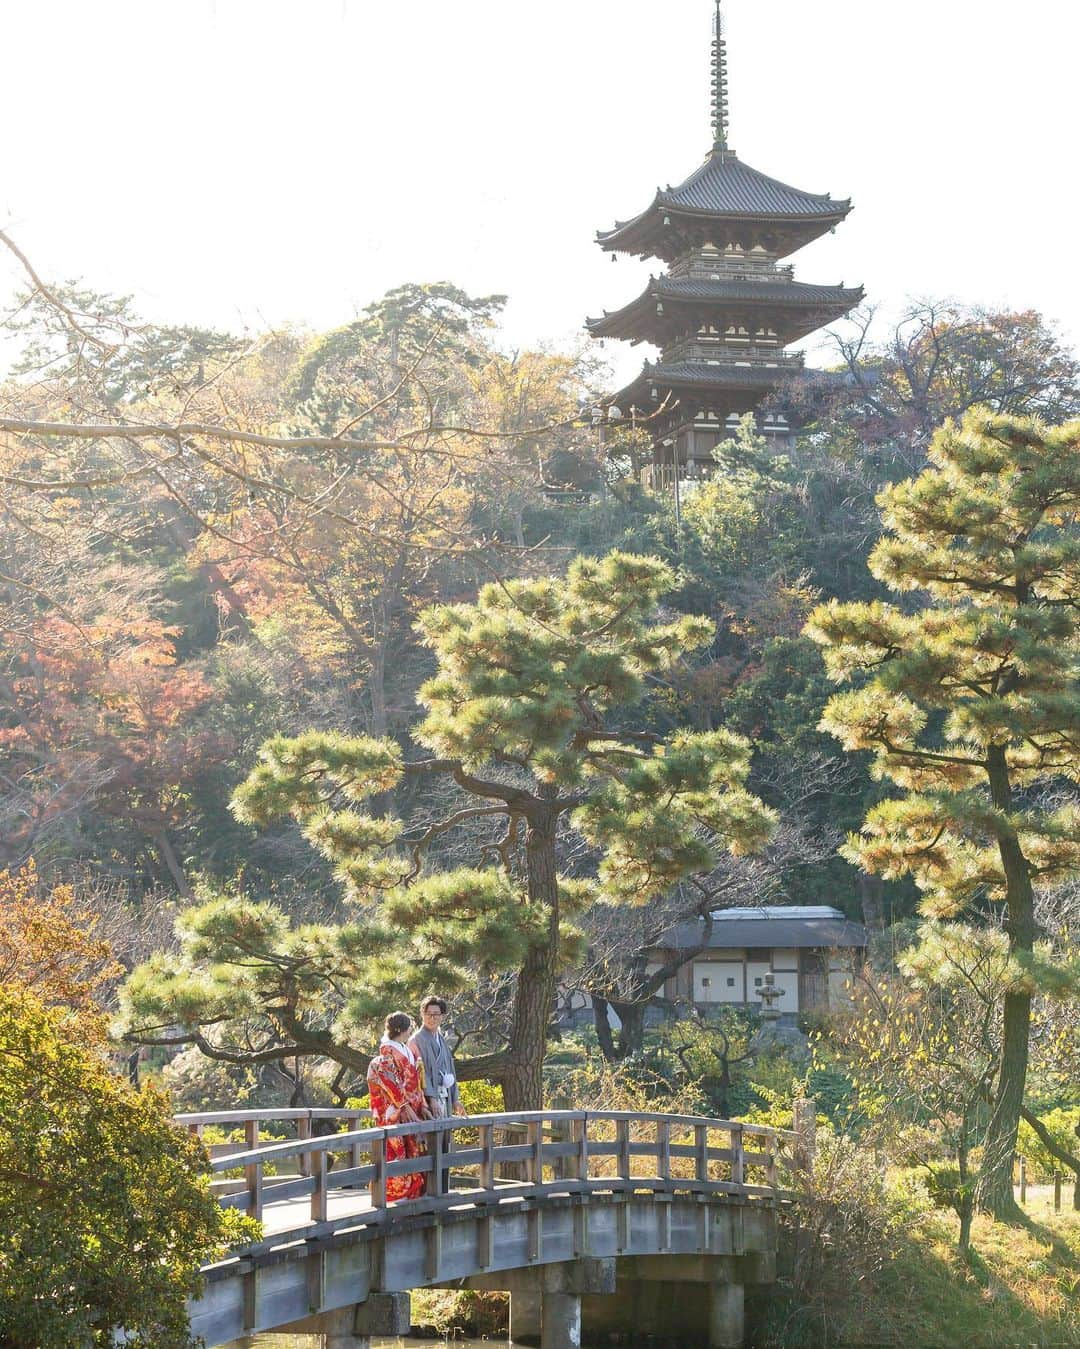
(1018, 1286)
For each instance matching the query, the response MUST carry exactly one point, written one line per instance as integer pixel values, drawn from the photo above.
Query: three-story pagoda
(724, 311)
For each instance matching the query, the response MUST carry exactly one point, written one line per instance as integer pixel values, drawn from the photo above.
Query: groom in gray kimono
(440, 1075)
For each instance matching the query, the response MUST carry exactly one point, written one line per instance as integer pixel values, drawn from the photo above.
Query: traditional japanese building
(725, 310)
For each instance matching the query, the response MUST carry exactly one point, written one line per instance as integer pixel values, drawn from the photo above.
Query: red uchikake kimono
(394, 1081)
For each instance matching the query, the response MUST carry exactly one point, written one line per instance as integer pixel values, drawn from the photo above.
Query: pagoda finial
(719, 83)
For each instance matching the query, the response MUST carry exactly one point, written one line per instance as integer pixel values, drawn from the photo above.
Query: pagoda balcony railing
(726, 271)
(733, 353)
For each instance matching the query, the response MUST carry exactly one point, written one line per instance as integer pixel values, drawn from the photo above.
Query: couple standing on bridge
(412, 1078)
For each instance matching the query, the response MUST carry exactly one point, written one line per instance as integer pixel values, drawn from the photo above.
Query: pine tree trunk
(604, 1037)
(631, 1036)
(172, 863)
(871, 891)
(995, 1187)
(523, 1079)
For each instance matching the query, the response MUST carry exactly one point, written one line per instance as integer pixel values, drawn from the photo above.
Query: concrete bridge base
(546, 1302)
(696, 1298)
(381, 1314)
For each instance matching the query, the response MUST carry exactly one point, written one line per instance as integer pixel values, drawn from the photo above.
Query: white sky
(250, 162)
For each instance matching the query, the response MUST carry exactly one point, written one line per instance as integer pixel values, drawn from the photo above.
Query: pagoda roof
(726, 189)
(752, 378)
(809, 306)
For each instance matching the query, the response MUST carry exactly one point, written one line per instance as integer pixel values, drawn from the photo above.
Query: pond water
(316, 1342)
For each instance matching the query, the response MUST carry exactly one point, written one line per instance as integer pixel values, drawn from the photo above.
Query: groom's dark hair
(433, 1000)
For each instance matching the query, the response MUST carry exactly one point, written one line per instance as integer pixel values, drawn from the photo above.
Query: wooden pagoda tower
(724, 311)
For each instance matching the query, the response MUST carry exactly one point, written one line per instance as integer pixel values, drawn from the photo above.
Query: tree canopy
(526, 717)
(969, 703)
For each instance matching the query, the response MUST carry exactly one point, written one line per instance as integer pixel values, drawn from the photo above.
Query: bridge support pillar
(695, 1298)
(353, 1327)
(525, 1311)
(560, 1321)
(338, 1330)
(545, 1301)
(726, 1316)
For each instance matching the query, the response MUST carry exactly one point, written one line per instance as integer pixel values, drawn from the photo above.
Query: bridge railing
(304, 1123)
(490, 1158)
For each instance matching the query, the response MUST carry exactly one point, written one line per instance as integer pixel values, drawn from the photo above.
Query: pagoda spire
(719, 84)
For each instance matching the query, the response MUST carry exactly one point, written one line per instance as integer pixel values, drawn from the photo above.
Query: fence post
(1057, 1191)
(1023, 1179)
(805, 1120)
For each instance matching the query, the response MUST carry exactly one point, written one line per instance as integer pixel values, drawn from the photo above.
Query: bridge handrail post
(663, 1149)
(535, 1137)
(303, 1130)
(738, 1160)
(622, 1143)
(352, 1124)
(580, 1132)
(253, 1172)
(319, 1208)
(378, 1168)
(437, 1174)
(701, 1152)
(487, 1156)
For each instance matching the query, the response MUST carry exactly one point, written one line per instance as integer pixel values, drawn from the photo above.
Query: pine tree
(969, 703)
(527, 716)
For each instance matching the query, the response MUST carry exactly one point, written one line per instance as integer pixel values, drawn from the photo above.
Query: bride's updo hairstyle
(397, 1022)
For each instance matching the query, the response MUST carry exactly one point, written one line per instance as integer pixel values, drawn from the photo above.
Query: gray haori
(440, 1075)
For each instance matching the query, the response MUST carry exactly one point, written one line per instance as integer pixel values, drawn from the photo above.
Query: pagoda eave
(668, 309)
(709, 385)
(647, 236)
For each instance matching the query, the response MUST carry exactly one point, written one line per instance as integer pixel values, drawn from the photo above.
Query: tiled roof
(724, 185)
(757, 933)
(753, 375)
(788, 292)
(688, 291)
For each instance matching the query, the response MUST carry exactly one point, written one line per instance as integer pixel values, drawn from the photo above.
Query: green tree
(105, 1211)
(529, 724)
(969, 705)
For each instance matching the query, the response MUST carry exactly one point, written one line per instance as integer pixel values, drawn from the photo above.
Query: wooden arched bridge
(643, 1222)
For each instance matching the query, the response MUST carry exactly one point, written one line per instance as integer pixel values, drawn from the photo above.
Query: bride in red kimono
(396, 1084)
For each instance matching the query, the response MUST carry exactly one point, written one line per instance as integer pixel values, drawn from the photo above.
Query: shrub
(105, 1210)
(838, 1241)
